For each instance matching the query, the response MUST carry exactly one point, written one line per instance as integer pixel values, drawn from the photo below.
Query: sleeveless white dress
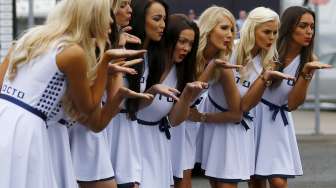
(184, 143)
(154, 139)
(60, 150)
(277, 152)
(227, 150)
(90, 154)
(27, 102)
(124, 142)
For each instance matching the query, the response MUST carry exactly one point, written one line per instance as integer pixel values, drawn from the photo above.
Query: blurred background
(315, 121)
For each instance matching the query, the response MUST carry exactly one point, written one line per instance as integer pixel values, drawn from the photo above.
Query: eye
(157, 18)
(267, 32)
(224, 27)
(275, 32)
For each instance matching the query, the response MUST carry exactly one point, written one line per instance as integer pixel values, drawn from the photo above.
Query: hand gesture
(125, 92)
(166, 91)
(313, 65)
(270, 75)
(226, 65)
(194, 115)
(194, 88)
(114, 54)
(122, 66)
(128, 38)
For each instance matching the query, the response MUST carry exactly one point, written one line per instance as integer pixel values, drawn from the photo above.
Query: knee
(278, 183)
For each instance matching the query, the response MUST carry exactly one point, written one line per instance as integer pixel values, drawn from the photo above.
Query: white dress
(26, 104)
(184, 143)
(124, 142)
(60, 150)
(90, 154)
(154, 139)
(227, 150)
(277, 152)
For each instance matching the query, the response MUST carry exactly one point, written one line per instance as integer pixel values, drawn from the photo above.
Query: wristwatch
(267, 82)
(307, 76)
(203, 117)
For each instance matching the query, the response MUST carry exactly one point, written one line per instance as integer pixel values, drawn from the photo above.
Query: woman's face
(155, 21)
(124, 13)
(184, 45)
(222, 34)
(304, 30)
(265, 35)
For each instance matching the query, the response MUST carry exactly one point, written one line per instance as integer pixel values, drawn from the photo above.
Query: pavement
(318, 152)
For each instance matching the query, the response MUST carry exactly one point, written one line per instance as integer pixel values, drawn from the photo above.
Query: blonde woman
(256, 52)
(46, 64)
(217, 28)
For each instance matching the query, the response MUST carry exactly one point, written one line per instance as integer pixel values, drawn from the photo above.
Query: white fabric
(227, 150)
(154, 145)
(184, 144)
(25, 155)
(90, 154)
(276, 146)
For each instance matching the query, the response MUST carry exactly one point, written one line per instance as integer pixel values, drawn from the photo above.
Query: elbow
(245, 107)
(238, 116)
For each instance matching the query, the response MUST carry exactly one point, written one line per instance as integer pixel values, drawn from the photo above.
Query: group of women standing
(131, 96)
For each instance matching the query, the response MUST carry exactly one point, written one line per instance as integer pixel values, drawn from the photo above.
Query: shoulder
(71, 56)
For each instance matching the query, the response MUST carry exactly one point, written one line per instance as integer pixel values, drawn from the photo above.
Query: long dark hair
(155, 51)
(186, 70)
(289, 21)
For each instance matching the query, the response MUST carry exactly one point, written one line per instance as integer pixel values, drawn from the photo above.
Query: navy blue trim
(93, 181)
(276, 109)
(123, 111)
(245, 114)
(217, 105)
(197, 102)
(128, 185)
(285, 176)
(222, 180)
(163, 125)
(24, 106)
(177, 178)
(63, 122)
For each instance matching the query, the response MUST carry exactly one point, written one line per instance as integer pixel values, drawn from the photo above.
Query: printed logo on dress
(169, 99)
(245, 83)
(290, 82)
(12, 91)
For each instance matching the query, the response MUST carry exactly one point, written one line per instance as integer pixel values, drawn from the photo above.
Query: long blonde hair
(247, 41)
(208, 20)
(117, 4)
(82, 22)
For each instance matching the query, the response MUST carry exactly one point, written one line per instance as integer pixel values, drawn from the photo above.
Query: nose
(162, 24)
(310, 30)
(129, 9)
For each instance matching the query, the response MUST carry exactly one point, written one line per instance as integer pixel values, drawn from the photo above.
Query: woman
(52, 58)
(295, 46)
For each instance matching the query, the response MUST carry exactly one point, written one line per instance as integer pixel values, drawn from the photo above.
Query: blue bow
(276, 109)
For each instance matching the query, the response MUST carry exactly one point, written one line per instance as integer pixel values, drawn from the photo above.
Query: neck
(293, 50)
(210, 52)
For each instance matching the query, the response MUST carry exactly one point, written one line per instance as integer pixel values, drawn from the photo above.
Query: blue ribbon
(197, 102)
(276, 109)
(163, 125)
(25, 106)
(243, 122)
(245, 114)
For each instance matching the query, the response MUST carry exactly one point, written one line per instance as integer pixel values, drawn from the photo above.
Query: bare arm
(180, 110)
(256, 91)
(232, 97)
(298, 94)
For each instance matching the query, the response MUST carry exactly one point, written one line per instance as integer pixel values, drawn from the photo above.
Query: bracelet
(267, 82)
(204, 117)
(306, 76)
